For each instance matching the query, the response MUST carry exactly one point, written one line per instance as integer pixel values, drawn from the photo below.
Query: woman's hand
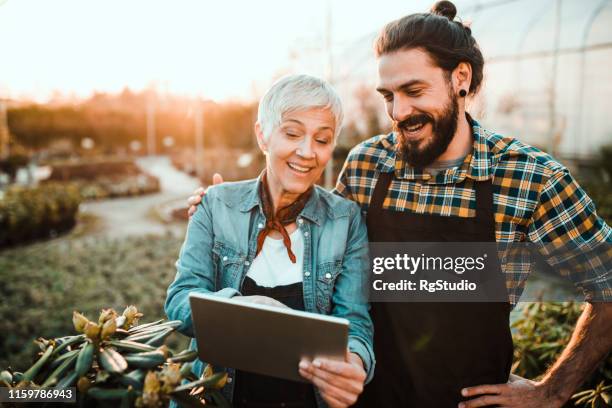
(340, 382)
(261, 300)
(196, 198)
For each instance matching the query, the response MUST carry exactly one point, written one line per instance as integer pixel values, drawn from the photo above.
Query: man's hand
(518, 392)
(261, 300)
(196, 198)
(340, 382)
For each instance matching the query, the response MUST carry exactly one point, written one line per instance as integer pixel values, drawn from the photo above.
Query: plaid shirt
(535, 200)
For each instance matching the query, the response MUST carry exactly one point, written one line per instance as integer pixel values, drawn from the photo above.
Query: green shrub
(28, 213)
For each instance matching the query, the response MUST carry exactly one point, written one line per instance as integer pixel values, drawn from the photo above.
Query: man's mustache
(418, 119)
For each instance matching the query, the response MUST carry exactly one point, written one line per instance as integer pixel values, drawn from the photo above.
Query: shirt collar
(311, 211)
(251, 198)
(477, 164)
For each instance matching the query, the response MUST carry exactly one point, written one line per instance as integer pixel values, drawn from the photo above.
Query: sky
(222, 50)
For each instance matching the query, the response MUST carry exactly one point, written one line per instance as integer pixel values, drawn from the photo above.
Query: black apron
(262, 391)
(427, 352)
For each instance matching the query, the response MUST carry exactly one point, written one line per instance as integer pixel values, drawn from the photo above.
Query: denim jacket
(221, 242)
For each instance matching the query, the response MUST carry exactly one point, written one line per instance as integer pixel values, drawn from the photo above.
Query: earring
(462, 93)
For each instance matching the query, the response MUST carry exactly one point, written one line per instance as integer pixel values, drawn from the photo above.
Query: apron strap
(380, 192)
(484, 204)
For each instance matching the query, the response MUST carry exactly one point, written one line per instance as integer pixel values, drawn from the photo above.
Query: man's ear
(260, 138)
(462, 77)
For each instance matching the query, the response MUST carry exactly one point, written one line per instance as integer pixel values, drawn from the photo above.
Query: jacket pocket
(327, 272)
(228, 265)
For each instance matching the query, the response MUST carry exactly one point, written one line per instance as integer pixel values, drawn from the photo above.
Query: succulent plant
(113, 361)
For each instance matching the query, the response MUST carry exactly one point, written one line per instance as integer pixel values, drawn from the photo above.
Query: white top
(272, 267)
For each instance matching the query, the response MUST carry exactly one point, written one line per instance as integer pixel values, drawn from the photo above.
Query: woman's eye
(322, 141)
(388, 97)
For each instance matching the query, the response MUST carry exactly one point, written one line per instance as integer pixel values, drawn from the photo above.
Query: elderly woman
(281, 240)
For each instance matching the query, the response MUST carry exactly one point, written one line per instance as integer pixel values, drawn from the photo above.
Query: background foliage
(43, 283)
(113, 121)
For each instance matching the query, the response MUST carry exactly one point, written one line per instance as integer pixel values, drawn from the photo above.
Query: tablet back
(263, 339)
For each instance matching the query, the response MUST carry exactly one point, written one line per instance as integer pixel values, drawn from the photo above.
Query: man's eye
(323, 141)
(413, 93)
(388, 97)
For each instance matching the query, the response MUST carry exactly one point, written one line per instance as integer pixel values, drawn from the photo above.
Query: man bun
(445, 9)
(448, 42)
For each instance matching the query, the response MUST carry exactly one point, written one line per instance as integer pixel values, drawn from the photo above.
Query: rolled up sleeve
(573, 239)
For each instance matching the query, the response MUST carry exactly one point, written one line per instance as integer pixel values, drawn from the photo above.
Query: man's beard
(442, 131)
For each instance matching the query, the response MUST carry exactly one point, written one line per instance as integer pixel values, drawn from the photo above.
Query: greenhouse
(547, 71)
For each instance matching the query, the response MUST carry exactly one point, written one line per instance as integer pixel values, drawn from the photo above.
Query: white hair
(297, 92)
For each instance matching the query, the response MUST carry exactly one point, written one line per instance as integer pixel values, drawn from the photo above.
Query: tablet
(263, 339)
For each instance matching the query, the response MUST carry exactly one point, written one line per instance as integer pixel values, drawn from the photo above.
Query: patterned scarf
(284, 216)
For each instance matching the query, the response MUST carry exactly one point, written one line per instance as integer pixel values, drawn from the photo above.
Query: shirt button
(225, 258)
(306, 274)
(260, 225)
(229, 380)
(306, 233)
(328, 275)
(247, 263)
(300, 221)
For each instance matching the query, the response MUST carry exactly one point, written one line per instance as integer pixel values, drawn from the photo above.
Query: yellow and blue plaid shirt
(535, 200)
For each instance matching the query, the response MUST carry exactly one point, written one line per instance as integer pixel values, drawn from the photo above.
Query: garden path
(135, 215)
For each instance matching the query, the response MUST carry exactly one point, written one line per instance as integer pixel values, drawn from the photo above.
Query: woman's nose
(305, 149)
